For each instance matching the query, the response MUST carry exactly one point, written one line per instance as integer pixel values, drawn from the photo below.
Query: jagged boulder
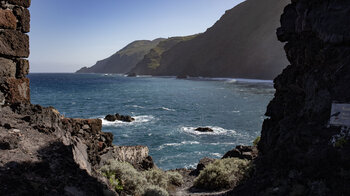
(119, 117)
(242, 152)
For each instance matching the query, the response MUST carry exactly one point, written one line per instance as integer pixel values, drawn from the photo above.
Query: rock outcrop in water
(119, 117)
(124, 60)
(296, 153)
(241, 44)
(204, 129)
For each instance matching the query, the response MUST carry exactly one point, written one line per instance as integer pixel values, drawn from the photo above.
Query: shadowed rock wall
(14, 48)
(297, 156)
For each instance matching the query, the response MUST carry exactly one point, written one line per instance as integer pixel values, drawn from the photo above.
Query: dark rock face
(119, 117)
(204, 129)
(242, 152)
(48, 154)
(295, 150)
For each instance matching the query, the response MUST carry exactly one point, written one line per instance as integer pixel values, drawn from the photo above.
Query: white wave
(216, 131)
(178, 144)
(167, 109)
(216, 155)
(230, 81)
(191, 166)
(223, 143)
(136, 106)
(138, 120)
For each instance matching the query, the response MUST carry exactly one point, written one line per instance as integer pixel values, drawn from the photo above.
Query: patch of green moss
(341, 142)
(256, 141)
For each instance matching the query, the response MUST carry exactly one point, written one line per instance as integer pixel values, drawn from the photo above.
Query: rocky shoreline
(40, 149)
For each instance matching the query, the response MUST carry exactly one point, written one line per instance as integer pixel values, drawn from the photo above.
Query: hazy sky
(69, 34)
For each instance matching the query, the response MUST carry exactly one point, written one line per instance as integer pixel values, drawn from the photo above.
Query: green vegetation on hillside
(152, 59)
(155, 55)
(124, 60)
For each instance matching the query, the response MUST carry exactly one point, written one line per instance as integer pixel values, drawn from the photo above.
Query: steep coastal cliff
(151, 62)
(297, 155)
(124, 60)
(241, 44)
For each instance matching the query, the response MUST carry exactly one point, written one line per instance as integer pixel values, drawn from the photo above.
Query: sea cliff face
(124, 60)
(241, 44)
(297, 154)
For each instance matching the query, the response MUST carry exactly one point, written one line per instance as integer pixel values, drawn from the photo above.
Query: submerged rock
(119, 117)
(132, 75)
(182, 76)
(204, 129)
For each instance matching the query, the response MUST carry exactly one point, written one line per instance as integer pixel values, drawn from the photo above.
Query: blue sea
(166, 109)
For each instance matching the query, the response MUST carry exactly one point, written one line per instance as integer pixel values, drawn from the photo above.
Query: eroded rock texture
(296, 157)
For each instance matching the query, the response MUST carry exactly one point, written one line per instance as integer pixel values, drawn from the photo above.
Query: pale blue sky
(69, 34)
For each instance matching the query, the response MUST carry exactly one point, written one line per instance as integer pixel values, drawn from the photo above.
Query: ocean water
(167, 110)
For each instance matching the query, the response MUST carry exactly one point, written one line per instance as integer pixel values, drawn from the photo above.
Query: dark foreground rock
(296, 155)
(47, 154)
(204, 129)
(44, 153)
(242, 152)
(119, 117)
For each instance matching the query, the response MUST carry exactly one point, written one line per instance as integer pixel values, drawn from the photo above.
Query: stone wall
(14, 48)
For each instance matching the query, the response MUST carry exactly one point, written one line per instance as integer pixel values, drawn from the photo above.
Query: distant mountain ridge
(124, 60)
(242, 44)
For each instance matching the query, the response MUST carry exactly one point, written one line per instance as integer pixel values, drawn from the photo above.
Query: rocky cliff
(241, 44)
(124, 60)
(300, 154)
(151, 62)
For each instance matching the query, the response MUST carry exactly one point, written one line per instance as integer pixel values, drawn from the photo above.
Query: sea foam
(138, 120)
(216, 131)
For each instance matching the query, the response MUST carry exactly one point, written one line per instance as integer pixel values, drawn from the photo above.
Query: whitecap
(167, 109)
(216, 155)
(138, 120)
(216, 131)
(137, 106)
(178, 144)
(223, 143)
(191, 166)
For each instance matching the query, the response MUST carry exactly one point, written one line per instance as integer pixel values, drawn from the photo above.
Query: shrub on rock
(131, 181)
(175, 178)
(222, 174)
(155, 191)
